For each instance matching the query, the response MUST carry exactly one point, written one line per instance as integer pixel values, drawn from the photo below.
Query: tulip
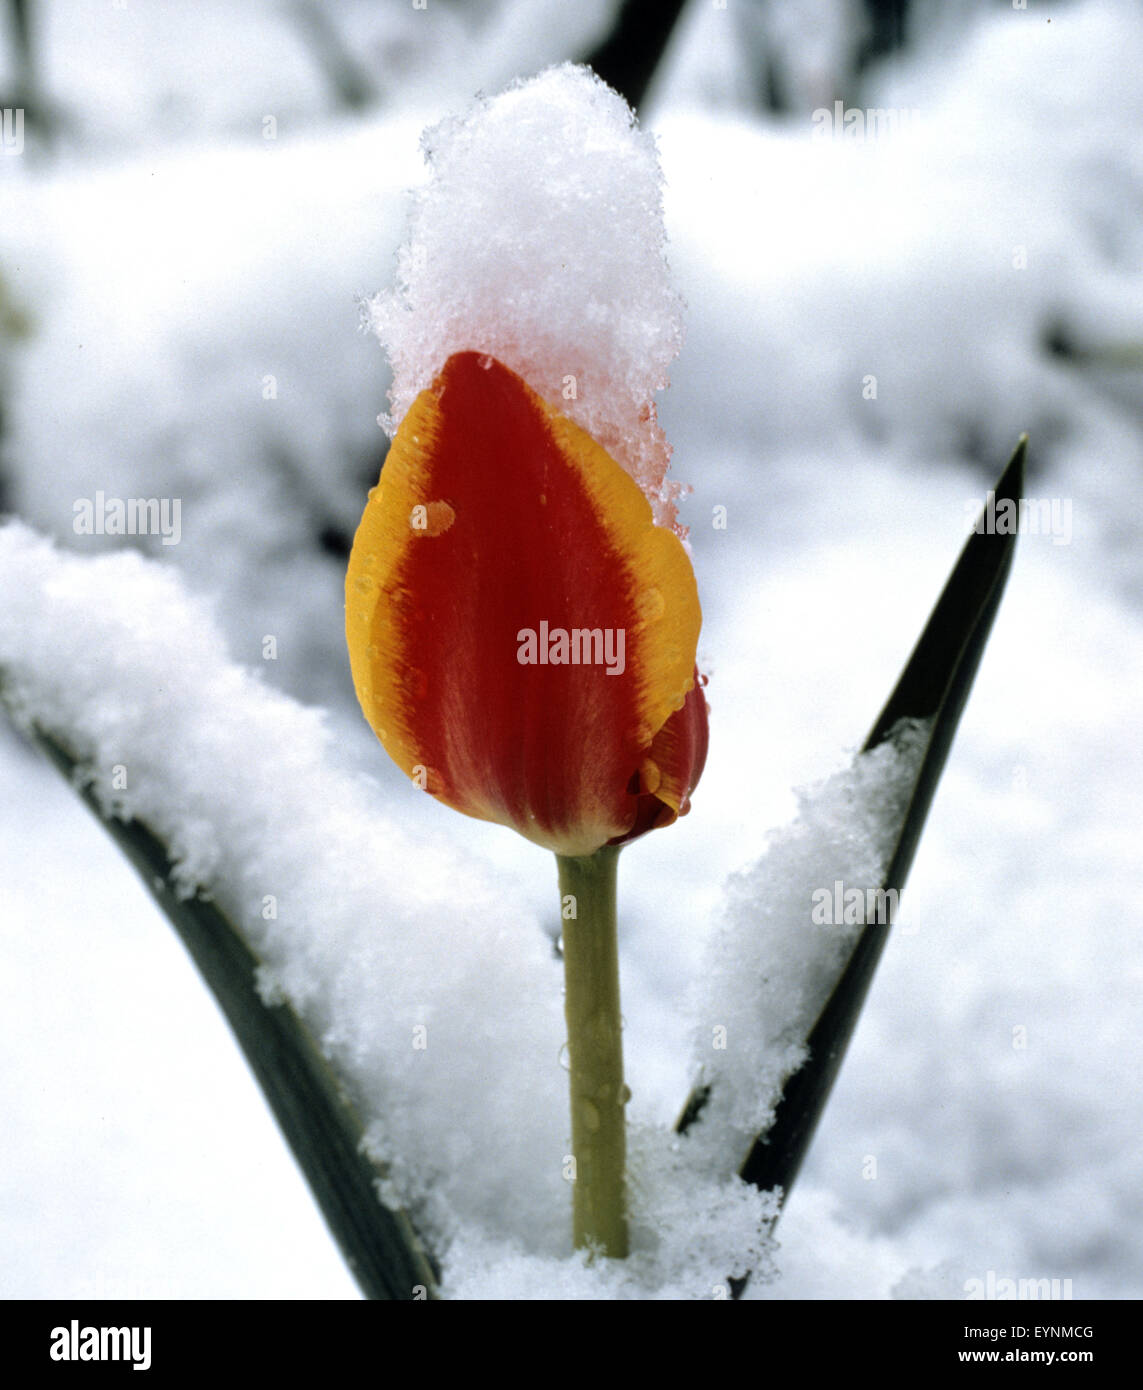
(522, 639)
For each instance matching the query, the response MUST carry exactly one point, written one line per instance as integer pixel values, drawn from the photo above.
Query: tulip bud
(522, 635)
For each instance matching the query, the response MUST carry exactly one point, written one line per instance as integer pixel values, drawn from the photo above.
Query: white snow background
(169, 259)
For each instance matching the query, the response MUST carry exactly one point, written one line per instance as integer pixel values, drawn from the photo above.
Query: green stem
(595, 1045)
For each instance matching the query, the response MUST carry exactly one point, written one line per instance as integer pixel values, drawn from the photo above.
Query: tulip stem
(595, 1045)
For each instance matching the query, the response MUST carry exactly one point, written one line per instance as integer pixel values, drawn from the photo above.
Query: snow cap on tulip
(539, 240)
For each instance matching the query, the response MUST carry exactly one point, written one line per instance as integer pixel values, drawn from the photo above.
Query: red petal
(671, 771)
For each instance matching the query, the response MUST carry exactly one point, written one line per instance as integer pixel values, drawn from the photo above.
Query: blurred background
(905, 233)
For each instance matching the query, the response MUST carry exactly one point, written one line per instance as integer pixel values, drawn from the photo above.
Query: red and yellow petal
(497, 517)
(672, 768)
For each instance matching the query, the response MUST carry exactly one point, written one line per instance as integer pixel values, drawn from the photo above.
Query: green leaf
(934, 687)
(322, 1128)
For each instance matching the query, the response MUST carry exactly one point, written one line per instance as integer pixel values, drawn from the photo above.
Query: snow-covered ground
(987, 1116)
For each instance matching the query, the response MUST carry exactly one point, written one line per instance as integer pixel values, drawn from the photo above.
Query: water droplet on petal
(565, 1057)
(364, 584)
(650, 775)
(440, 517)
(624, 1094)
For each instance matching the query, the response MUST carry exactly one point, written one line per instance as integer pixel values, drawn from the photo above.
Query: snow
(199, 265)
(137, 1125)
(437, 1046)
(778, 950)
(173, 357)
(119, 76)
(515, 249)
(216, 764)
(690, 1235)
